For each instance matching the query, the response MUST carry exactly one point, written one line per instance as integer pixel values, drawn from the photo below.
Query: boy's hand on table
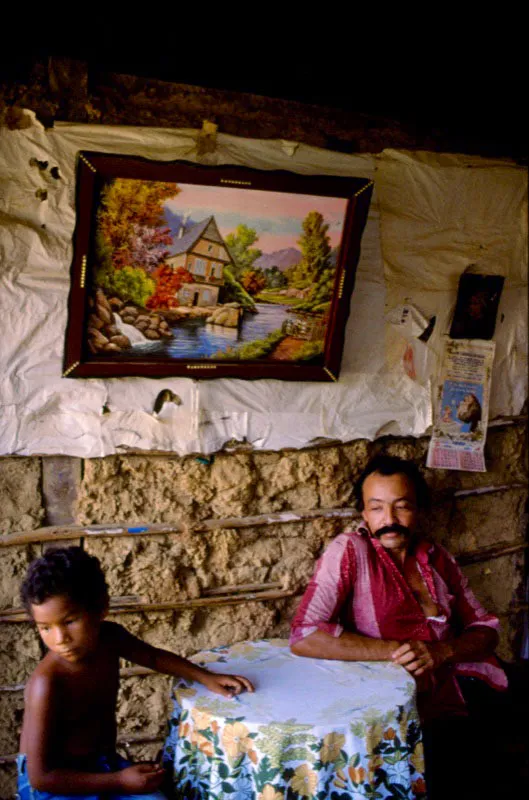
(141, 778)
(227, 685)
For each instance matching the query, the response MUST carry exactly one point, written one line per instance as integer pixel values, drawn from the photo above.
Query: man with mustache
(385, 593)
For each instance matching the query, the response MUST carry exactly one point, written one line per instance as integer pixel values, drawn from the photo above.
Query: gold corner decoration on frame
(367, 186)
(87, 162)
(70, 369)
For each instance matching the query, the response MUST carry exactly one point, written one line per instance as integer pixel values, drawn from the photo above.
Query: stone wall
(228, 538)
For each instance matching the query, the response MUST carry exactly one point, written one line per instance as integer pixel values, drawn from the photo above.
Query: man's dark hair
(392, 465)
(66, 571)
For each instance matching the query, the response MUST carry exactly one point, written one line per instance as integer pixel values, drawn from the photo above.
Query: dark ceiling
(460, 89)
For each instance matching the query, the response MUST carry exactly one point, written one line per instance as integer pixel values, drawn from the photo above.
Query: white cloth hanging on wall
(42, 412)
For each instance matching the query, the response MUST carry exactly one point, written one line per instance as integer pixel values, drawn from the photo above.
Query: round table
(331, 730)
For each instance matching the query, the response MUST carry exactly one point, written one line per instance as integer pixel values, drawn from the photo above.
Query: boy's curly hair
(66, 571)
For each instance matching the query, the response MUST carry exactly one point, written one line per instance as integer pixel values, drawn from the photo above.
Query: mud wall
(230, 540)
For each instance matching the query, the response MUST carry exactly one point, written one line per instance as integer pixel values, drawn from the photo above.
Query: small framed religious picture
(477, 303)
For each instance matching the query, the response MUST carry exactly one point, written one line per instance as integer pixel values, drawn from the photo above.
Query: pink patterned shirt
(357, 587)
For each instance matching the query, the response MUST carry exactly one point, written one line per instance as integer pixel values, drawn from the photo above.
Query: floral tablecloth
(329, 730)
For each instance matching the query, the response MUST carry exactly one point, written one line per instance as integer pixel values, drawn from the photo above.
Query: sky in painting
(275, 216)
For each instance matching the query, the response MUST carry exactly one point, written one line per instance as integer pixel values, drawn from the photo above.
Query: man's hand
(141, 778)
(227, 685)
(419, 657)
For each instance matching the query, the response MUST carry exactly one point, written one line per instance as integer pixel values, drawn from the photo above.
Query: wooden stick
(19, 615)
(487, 553)
(61, 532)
(242, 587)
(129, 604)
(488, 489)
(133, 672)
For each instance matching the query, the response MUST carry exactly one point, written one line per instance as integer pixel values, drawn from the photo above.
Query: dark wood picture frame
(114, 271)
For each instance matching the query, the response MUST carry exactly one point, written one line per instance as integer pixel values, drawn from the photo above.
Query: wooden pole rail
(118, 607)
(60, 532)
(487, 553)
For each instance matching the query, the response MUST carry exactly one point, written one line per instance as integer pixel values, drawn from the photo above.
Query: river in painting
(196, 339)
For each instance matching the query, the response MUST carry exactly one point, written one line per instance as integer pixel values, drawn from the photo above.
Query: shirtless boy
(68, 742)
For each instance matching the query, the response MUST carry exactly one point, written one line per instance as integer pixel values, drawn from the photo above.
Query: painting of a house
(202, 252)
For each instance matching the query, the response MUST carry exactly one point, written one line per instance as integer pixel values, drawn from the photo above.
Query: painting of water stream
(211, 271)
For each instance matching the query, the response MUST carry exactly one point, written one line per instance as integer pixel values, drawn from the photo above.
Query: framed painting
(182, 269)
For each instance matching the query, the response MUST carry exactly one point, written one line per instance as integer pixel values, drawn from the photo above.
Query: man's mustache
(394, 528)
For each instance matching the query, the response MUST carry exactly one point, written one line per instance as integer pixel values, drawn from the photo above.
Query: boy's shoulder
(44, 677)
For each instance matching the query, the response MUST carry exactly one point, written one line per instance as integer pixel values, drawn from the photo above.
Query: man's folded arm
(345, 647)
(316, 628)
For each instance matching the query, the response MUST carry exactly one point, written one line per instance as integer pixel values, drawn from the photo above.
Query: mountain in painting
(282, 259)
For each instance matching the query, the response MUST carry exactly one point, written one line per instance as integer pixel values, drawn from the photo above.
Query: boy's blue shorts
(100, 764)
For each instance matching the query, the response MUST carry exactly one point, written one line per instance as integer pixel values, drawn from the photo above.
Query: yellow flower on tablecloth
(269, 793)
(235, 739)
(373, 736)
(184, 691)
(332, 744)
(390, 733)
(252, 755)
(242, 649)
(417, 757)
(204, 745)
(374, 763)
(201, 719)
(340, 780)
(403, 726)
(304, 781)
(357, 774)
(183, 730)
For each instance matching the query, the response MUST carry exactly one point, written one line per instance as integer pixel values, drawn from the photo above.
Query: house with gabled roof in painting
(201, 250)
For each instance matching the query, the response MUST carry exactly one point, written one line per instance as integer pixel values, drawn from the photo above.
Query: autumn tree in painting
(168, 282)
(253, 281)
(132, 240)
(131, 220)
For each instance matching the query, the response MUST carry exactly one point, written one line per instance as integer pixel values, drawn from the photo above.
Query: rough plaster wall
(157, 568)
(20, 494)
(14, 562)
(185, 565)
(165, 489)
